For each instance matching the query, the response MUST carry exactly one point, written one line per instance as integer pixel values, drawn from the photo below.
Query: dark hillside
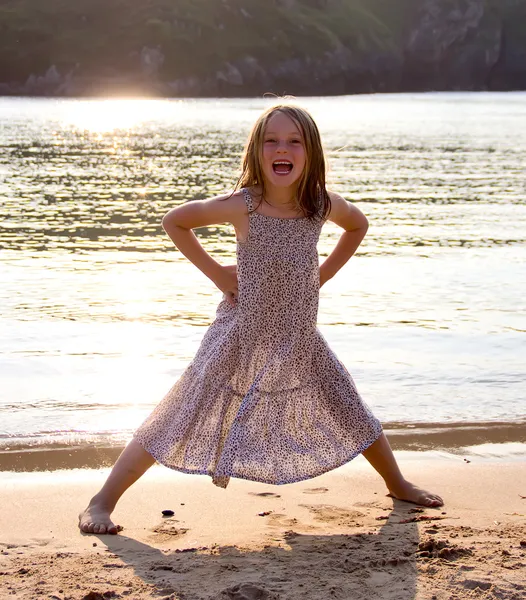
(246, 47)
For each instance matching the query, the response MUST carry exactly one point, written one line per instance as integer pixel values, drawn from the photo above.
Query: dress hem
(226, 477)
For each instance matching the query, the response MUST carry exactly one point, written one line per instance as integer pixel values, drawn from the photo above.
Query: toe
(82, 524)
(434, 501)
(85, 527)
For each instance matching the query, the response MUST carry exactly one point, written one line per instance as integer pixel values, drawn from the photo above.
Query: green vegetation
(196, 36)
(210, 47)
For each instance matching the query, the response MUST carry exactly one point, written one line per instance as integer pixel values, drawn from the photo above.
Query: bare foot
(96, 519)
(412, 493)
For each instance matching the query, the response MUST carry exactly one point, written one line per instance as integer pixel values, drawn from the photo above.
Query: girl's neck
(280, 197)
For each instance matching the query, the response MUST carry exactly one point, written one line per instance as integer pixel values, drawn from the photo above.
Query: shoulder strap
(248, 200)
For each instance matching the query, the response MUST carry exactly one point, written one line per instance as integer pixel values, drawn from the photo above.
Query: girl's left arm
(355, 224)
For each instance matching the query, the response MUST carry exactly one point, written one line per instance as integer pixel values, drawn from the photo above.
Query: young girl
(264, 398)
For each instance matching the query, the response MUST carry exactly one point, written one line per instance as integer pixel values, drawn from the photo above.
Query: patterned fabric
(264, 398)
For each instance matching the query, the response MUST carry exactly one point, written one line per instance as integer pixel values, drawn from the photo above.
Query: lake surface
(100, 314)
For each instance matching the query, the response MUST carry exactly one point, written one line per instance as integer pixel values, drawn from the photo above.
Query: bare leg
(133, 462)
(382, 459)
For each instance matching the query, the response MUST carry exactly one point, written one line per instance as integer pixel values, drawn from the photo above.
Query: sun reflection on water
(109, 114)
(100, 314)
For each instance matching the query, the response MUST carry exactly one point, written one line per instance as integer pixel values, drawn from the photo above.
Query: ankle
(396, 482)
(102, 502)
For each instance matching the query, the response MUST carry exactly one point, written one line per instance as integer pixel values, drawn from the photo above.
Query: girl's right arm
(179, 222)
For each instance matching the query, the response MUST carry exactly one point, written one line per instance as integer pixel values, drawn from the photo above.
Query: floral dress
(264, 398)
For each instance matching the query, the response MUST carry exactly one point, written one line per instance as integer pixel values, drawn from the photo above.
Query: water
(100, 315)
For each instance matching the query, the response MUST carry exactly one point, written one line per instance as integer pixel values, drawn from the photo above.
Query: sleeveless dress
(264, 398)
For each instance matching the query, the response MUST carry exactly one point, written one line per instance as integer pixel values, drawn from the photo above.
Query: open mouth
(282, 167)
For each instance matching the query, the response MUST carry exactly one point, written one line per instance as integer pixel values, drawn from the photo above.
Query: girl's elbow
(170, 220)
(364, 231)
(362, 227)
(166, 218)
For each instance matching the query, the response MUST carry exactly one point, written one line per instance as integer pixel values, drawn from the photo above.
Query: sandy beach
(337, 536)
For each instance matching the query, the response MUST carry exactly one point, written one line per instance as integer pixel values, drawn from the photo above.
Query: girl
(264, 398)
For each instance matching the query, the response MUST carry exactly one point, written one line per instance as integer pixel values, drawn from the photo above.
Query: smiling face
(283, 156)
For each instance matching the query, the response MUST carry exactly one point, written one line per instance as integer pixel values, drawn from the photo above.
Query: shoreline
(483, 440)
(335, 536)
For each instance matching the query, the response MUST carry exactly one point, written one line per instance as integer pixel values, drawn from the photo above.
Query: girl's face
(283, 156)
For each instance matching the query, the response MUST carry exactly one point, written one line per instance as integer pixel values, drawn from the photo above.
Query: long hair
(312, 196)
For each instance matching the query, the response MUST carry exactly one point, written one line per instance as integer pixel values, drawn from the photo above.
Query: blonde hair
(312, 196)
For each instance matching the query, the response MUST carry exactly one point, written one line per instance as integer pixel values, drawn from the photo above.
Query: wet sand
(456, 438)
(336, 536)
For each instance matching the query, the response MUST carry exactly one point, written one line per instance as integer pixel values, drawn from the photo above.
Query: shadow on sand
(362, 565)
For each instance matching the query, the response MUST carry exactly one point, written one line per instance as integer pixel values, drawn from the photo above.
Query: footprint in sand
(318, 490)
(246, 591)
(280, 520)
(265, 495)
(168, 530)
(333, 514)
(380, 505)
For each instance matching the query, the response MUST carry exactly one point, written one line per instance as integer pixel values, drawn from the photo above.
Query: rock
(52, 76)
(452, 46)
(230, 74)
(151, 60)
(42, 83)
